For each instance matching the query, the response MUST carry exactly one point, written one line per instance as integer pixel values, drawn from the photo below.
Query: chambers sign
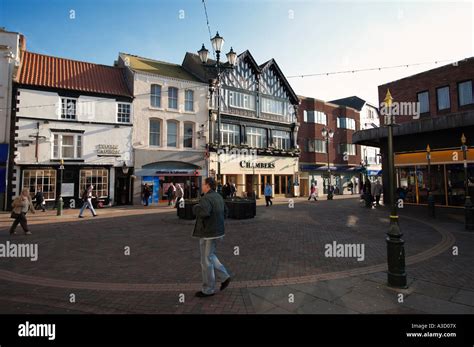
(251, 165)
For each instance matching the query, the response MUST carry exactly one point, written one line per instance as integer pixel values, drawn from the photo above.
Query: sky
(304, 37)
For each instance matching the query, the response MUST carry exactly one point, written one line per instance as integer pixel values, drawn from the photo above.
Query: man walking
(39, 199)
(376, 192)
(209, 228)
(87, 198)
(268, 194)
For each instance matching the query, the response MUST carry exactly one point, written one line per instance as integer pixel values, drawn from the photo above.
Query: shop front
(445, 178)
(250, 174)
(318, 175)
(158, 176)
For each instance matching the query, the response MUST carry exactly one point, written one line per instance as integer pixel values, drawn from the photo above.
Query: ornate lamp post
(219, 67)
(468, 208)
(397, 276)
(431, 202)
(327, 135)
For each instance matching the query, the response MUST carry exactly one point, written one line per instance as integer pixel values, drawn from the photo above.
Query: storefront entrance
(283, 184)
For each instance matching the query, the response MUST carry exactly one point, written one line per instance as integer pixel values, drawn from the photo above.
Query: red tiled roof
(46, 71)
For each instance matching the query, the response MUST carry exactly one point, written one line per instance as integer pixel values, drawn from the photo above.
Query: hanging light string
(208, 27)
(370, 69)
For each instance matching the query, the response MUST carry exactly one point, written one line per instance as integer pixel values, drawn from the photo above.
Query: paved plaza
(137, 260)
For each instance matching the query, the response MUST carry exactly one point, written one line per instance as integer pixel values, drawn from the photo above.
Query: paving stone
(434, 305)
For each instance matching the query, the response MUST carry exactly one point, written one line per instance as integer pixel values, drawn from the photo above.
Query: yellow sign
(454, 156)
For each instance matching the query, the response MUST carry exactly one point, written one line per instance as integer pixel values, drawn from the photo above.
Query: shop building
(258, 126)
(433, 108)
(344, 156)
(72, 128)
(170, 126)
(369, 119)
(12, 46)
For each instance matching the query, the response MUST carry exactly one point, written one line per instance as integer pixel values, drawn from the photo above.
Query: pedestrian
(171, 192)
(351, 187)
(39, 199)
(87, 201)
(268, 194)
(376, 192)
(312, 193)
(233, 190)
(146, 194)
(209, 228)
(21, 206)
(368, 194)
(179, 194)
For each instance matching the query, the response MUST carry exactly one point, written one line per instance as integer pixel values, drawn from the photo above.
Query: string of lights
(208, 26)
(380, 68)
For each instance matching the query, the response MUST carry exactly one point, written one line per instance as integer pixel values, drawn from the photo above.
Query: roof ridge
(72, 60)
(154, 60)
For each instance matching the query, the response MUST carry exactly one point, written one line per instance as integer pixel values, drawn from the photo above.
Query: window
(123, 113)
(68, 108)
(443, 98)
(172, 133)
(99, 178)
(465, 93)
(40, 179)
(257, 137)
(346, 123)
(189, 100)
(315, 117)
(241, 100)
(348, 148)
(155, 132)
(188, 135)
(230, 134)
(67, 146)
(424, 101)
(272, 106)
(281, 139)
(370, 114)
(173, 98)
(155, 95)
(315, 145)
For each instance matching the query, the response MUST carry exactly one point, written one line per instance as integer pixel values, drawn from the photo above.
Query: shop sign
(251, 165)
(104, 150)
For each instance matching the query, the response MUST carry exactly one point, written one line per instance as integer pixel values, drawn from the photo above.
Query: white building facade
(72, 134)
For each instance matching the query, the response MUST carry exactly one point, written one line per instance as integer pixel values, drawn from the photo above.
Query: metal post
(431, 202)
(330, 195)
(397, 276)
(219, 178)
(468, 208)
(60, 203)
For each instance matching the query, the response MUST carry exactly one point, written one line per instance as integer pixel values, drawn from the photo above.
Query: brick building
(344, 156)
(432, 108)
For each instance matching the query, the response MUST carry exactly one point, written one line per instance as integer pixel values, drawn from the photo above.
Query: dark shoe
(95, 215)
(81, 216)
(202, 295)
(225, 284)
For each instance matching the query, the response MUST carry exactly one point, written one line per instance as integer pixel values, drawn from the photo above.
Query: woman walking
(312, 193)
(87, 198)
(21, 206)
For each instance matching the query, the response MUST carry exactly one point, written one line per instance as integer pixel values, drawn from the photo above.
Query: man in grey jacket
(209, 228)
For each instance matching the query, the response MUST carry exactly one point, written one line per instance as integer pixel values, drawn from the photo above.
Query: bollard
(59, 211)
(397, 276)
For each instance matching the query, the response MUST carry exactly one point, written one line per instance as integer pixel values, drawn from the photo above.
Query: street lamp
(218, 67)
(397, 276)
(468, 208)
(328, 134)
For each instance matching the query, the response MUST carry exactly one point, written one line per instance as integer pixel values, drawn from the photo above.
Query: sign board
(67, 189)
(108, 150)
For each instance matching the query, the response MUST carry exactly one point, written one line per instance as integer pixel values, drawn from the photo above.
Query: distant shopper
(146, 194)
(268, 194)
(39, 199)
(179, 194)
(87, 199)
(171, 193)
(233, 190)
(368, 194)
(351, 187)
(312, 193)
(226, 190)
(376, 192)
(209, 228)
(21, 206)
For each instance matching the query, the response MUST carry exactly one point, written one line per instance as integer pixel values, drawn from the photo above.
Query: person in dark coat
(209, 228)
(39, 199)
(146, 194)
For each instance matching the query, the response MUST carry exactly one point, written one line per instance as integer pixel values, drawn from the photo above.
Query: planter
(186, 212)
(241, 208)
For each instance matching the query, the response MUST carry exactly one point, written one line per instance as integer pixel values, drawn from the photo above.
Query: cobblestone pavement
(277, 261)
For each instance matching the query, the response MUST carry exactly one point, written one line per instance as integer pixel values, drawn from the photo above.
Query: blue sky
(303, 36)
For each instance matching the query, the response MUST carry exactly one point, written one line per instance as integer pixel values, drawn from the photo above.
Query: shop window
(99, 178)
(40, 179)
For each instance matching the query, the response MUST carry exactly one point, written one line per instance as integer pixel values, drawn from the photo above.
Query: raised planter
(186, 212)
(238, 208)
